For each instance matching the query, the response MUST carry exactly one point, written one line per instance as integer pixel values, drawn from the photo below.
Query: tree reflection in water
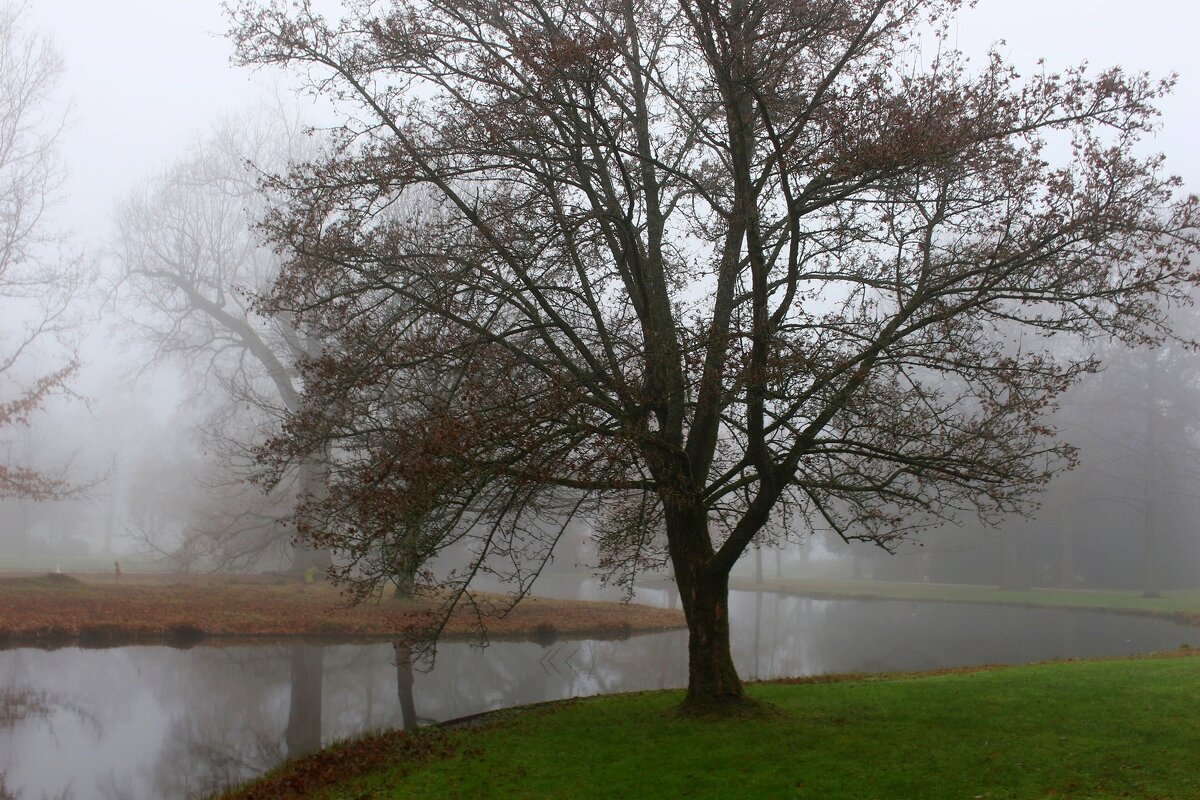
(23, 705)
(304, 711)
(404, 684)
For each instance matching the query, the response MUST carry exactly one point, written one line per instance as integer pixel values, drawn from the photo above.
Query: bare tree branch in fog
(190, 266)
(696, 267)
(38, 276)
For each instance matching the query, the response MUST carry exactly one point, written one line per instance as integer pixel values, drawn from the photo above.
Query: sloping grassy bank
(1107, 729)
(1181, 605)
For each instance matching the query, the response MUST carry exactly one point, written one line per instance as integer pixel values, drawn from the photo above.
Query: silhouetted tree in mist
(191, 266)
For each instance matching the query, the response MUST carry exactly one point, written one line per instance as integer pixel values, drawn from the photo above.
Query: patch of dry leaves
(330, 767)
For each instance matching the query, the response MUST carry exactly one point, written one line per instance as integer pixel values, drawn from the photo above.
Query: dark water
(156, 722)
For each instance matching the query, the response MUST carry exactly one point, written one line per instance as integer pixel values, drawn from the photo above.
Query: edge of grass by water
(1182, 605)
(1096, 729)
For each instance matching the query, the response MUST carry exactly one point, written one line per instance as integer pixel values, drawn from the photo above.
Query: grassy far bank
(1184, 605)
(1107, 729)
(106, 609)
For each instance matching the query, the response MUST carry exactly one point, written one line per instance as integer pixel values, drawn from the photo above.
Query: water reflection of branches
(17, 705)
(202, 758)
(8, 794)
(214, 745)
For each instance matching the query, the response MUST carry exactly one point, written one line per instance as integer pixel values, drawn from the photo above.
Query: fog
(144, 386)
(151, 435)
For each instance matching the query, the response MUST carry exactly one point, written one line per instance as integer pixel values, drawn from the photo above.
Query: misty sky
(146, 77)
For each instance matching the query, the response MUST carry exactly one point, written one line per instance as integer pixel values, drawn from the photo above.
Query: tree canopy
(704, 272)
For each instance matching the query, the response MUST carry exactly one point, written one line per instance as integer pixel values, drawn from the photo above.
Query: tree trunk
(304, 559)
(23, 531)
(405, 581)
(1150, 586)
(712, 679)
(757, 633)
(1015, 577)
(408, 562)
(1066, 575)
(314, 470)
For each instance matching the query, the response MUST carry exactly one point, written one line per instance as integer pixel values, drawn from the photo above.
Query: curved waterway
(158, 722)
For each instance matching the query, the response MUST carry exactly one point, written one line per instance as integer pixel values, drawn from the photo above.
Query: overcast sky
(145, 77)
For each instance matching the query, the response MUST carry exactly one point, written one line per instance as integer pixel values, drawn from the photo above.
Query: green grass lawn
(1174, 603)
(1110, 729)
(81, 563)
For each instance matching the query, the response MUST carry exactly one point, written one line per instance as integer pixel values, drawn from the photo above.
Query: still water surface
(157, 722)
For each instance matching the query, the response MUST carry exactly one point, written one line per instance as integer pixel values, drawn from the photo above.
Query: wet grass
(1182, 605)
(101, 610)
(1109, 729)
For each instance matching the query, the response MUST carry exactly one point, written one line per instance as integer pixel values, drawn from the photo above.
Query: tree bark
(704, 593)
(712, 679)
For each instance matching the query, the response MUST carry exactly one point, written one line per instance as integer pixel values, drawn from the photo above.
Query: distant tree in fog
(190, 266)
(38, 277)
(695, 268)
(1137, 424)
(1124, 517)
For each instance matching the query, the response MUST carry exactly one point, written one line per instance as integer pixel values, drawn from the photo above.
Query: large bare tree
(38, 277)
(190, 264)
(710, 269)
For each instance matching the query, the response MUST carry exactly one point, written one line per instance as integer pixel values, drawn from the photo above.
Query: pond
(157, 722)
